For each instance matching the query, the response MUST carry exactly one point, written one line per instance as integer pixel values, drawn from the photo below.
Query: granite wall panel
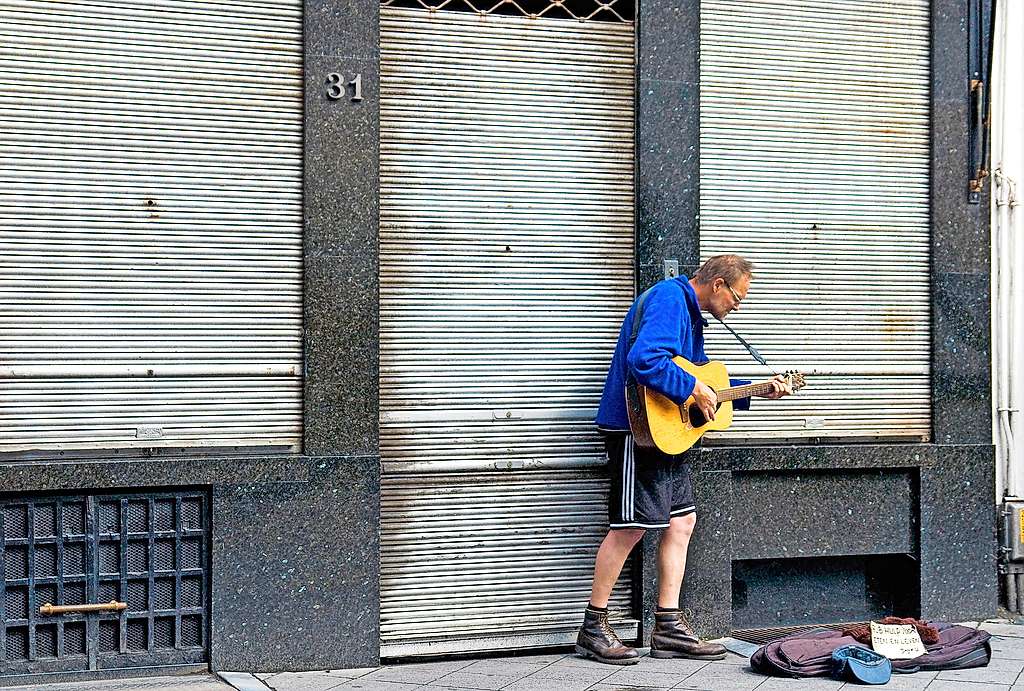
(960, 230)
(824, 513)
(707, 588)
(961, 359)
(293, 588)
(958, 535)
(341, 220)
(109, 474)
(317, 576)
(667, 131)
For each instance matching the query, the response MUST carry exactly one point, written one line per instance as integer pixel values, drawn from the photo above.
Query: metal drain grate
(767, 635)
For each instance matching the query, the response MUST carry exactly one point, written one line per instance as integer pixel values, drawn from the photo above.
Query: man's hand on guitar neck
(706, 399)
(781, 386)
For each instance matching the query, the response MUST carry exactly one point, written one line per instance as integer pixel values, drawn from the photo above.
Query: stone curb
(243, 681)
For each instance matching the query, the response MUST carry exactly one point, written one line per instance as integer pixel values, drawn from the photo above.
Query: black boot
(598, 641)
(673, 637)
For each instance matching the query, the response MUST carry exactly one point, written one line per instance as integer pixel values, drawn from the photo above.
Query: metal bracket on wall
(980, 35)
(671, 268)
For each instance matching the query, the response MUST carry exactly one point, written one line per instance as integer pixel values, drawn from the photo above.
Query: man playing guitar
(650, 489)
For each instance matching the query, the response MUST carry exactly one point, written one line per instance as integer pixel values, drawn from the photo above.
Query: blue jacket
(671, 325)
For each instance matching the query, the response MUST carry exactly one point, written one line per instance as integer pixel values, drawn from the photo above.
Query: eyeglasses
(735, 297)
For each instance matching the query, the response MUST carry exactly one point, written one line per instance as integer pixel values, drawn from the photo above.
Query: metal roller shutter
(150, 225)
(815, 165)
(506, 266)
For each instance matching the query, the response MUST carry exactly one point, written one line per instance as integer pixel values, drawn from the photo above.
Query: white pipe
(1000, 277)
(1002, 327)
(1011, 164)
(1008, 249)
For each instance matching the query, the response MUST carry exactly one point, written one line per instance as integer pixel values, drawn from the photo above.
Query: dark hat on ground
(856, 663)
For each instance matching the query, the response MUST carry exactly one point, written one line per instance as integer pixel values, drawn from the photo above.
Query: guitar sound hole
(697, 417)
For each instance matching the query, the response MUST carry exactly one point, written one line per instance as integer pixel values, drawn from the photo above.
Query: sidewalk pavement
(566, 672)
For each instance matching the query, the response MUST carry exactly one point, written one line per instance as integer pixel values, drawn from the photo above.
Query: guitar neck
(734, 392)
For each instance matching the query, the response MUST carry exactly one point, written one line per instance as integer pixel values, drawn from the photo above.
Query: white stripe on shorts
(630, 513)
(624, 481)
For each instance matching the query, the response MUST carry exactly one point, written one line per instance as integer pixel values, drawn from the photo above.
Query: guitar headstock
(796, 379)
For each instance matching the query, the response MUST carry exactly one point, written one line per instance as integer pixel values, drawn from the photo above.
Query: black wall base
(294, 550)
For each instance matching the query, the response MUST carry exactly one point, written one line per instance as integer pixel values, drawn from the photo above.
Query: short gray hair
(728, 267)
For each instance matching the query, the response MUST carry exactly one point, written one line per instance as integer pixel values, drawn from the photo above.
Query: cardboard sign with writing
(896, 641)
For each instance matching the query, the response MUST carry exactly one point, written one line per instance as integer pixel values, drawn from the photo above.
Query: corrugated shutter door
(150, 224)
(506, 267)
(815, 165)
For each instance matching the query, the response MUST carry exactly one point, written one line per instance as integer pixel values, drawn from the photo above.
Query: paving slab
(724, 678)
(243, 681)
(506, 667)
(371, 685)
(303, 681)
(811, 684)
(416, 673)
(733, 660)
(908, 682)
(642, 677)
(1004, 648)
(620, 687)
(351, 673)
(534, 683)
(998, 671)
(558, 671)
(948, 685)
(1005, 630)
(585, 663)
(468, 680)
(545, 659)
(675, 666)
(197, 682)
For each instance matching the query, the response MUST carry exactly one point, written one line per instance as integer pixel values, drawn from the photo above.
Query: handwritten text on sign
(896, 641)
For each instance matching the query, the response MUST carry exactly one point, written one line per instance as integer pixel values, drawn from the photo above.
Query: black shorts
(648, 487)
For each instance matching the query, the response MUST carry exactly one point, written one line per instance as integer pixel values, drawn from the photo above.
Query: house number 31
(337, 87)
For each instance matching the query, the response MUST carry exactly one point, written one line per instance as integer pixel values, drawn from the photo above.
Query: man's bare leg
(597, 639)
(612, 554)
(672, 635)
(672, 559)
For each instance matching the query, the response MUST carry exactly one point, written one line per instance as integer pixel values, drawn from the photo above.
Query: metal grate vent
(767, 635)
(581, 10)
(148, 551)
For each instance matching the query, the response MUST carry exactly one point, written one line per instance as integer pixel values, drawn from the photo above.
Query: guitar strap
(637, 316)
(750, 349)
(633, 402)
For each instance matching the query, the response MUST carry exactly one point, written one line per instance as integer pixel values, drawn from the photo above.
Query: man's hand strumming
(706, 399)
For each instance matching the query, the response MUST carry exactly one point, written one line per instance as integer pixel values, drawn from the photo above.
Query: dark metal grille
(74, 638)
(148, 550)
(580, 10)
(767, 635)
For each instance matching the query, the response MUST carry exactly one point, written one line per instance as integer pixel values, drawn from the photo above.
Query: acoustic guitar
(658, 423)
